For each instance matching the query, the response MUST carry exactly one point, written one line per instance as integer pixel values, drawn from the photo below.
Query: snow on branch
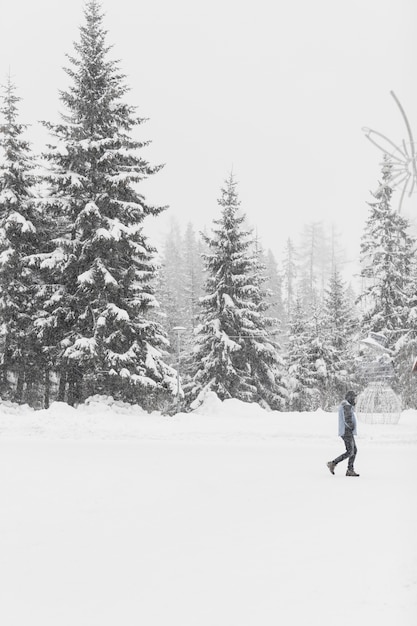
(90, 276)
(113, 312)
(228, 302)
(83, 348)
(17, 218)
(8, 196)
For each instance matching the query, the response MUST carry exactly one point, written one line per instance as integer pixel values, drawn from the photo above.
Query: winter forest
(89, 306)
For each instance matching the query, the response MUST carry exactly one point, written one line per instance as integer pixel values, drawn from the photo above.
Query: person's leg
(346, 454)
(352, 452)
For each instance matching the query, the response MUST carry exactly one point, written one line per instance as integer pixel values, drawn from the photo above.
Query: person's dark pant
(350, 453)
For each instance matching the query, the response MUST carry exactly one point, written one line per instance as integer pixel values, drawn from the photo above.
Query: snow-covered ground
(224, 517)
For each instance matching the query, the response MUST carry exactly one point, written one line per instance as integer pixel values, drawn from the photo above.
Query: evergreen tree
(303, 394)
(405, 348)
(180, 287)
(234, 355)
(194, 274)
(20, 235)
(289, 277)
(266, 365)
(101, 263)
(318, 373)
(171, 292)
(259, 268)
(194, 280)
(340, 327)
(336, 252)
(316, 262)
(273, 285)
(386, 252)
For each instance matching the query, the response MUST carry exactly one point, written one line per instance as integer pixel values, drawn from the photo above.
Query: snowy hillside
(226, 516)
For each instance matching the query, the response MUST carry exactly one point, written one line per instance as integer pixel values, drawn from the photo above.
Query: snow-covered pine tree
(194, 273)
(337, 254)
(180, 286)
(313, 362)
(340, 331)
(20, 235)
(265, 361)
(386, 254)
(273, 284)
(193, 279)
(101, 261)
(406, 348)
(234, 355)
(171, 290)
(301, 380)
(289, 277)
(315, 264)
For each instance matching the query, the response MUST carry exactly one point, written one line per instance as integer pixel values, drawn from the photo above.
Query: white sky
(278, 91)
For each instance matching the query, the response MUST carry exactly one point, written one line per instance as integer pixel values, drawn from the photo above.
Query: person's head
(351, 397)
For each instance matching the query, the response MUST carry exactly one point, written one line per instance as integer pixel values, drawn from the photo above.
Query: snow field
(97, 533)
(232, 421)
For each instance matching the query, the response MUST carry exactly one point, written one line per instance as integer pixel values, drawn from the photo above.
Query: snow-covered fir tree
(315, 263)
(194, 280)
(179, 288)
(303, 394)
(316, 374)
(235, 355)
(320, 350)
(194, 273)
(405, 348)
(386, 254)
(267, 365)
(337, 254)
(20, 236)
(289, 265)
(273, 285)
(171, 290)
(340, 332)
(100, 262)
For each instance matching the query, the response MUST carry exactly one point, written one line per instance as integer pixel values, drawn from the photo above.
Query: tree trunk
(4, 386)
(74, 387)
(62, 386)
(19, 387)
(47, 394)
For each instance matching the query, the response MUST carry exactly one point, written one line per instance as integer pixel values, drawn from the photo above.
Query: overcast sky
(278, 91)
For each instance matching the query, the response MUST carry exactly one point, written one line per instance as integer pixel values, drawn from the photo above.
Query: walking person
(347, 430)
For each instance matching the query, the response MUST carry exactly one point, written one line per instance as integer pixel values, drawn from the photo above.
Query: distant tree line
(88, 306)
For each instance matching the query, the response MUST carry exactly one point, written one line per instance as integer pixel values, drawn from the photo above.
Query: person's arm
(348, 417)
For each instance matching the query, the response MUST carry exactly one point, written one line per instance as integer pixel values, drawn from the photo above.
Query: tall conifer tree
(340, 329)
(303, 394)
(172, 288)
(386, 253)
(289, 277)
(406, 348)
(20, 234)
(194, 273)
(235, 356)
(274, 286)
(101, 261)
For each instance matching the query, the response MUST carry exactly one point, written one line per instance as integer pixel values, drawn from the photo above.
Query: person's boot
(351, 472)
(331, 466)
